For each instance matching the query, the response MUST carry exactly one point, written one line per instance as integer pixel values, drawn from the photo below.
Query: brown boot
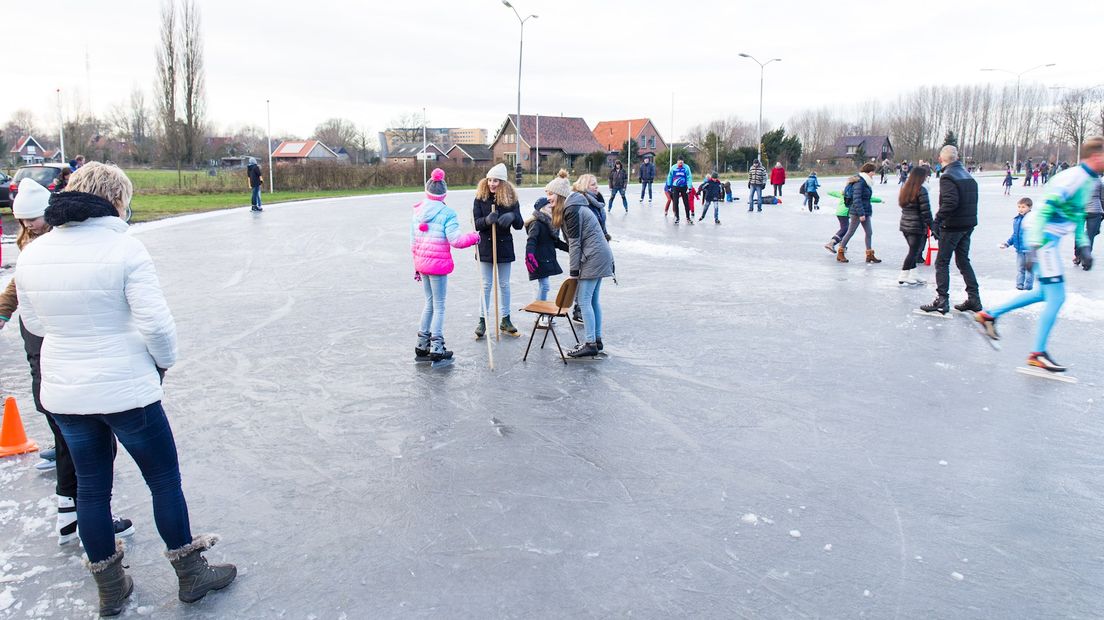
(840, 258)
(870, 258)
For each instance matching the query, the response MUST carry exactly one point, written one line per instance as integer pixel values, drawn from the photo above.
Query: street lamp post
(1015, 138)
(517, 124)
(271, 170)
(759, 125)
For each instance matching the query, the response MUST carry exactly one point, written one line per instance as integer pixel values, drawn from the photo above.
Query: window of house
(652, 142)
(30, 150)
(851, 150)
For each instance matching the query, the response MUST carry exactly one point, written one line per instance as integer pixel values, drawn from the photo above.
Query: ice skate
(48, 455)
(586, 351)
(972, 304)
(439, 355)
(506, 327)
(831, 245)
(988, 324)
(940, 308)
(481, 328)
(1039, 364)
(421, 350)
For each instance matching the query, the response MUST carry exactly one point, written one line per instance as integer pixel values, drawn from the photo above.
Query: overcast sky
(370, 61)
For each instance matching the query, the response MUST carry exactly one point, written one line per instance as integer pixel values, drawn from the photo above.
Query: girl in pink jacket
(434, 231)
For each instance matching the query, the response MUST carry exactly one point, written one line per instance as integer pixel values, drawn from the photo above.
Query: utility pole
(61, 128)
(271, 170)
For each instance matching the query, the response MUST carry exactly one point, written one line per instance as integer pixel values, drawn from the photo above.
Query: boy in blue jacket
(1025, 278)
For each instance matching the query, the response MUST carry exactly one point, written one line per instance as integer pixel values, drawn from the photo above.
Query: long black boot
(113, 583)
(195, 576)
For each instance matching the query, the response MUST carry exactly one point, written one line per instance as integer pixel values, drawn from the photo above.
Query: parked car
(5, 193)
(45, 174)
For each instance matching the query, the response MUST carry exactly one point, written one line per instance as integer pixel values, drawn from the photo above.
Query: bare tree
(335, 132)
(131, 121)
(167, 76)
(407, 127)
(364, 145)
(193, 79)
(1074, 116)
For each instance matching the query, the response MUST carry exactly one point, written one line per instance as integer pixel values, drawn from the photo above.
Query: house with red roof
(28, 150)
(612, 135)
(566, 136)
(303, 150)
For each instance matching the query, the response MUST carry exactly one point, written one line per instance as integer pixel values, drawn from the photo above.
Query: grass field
(157, 206)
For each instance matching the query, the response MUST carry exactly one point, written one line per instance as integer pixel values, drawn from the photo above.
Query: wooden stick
(482, 300)
(494, 271)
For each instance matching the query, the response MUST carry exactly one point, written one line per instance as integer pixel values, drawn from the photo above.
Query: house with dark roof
(470, 154)
(408, 153)
(876, 147)
(566, 136)
(28, 150)
(303, 150)
(612, 135)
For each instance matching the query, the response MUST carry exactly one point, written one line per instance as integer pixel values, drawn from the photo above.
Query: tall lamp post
(759, 126)
(1015, 138)
(517, 124)
(271, 170)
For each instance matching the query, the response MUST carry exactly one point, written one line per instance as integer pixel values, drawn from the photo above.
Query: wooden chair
(550, 311)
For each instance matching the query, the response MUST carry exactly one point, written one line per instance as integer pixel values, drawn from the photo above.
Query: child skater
(544, 240)
(1025, 279)
(812, 197)
(712, 194)
(1008, 182)
(433, 229)
(1062, 213)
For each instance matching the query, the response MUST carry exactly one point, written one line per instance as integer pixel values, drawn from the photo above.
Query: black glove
(1085, 254)
(1029, 259)
(936, 229)
(574, 273)
(506, 219)
(608, 237)
(161, 374)
(491, 218)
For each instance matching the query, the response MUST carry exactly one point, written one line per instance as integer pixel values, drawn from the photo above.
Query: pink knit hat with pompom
(436, 189)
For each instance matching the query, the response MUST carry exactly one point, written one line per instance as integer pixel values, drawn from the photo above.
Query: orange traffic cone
(13, 439)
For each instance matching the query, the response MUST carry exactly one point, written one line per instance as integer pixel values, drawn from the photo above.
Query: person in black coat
(712, 193)
(256, 181)
(916, 219)
(954, 224)
(544, 240)
(496, 206)
(618, 181)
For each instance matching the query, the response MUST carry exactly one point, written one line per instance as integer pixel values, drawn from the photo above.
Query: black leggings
(677, 192)
(916, 246)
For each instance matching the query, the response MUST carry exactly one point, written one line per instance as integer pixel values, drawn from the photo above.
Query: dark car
(45, 174)
(5, 193)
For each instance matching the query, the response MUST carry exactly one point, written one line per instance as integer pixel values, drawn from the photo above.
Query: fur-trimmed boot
(113, 583)
(196, 577)
(840, 257)
(870, 258)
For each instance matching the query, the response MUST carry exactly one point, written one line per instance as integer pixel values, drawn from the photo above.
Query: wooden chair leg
(533, 333)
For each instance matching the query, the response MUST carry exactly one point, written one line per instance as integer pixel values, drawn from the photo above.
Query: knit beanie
(498, 172)
(31, 201)
(559, 186)
(436, 187)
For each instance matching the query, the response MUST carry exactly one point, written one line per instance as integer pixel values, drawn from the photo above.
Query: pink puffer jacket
(434, 231)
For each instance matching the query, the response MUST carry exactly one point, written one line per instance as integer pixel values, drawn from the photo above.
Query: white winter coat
(91, 290)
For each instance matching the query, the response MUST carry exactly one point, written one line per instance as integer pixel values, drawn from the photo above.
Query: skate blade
(937, 315)
(1046, 374)
(442, 363)
(589, 358)
(422, 360)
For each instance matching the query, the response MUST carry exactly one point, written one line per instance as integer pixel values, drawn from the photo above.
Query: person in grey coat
(591, 260)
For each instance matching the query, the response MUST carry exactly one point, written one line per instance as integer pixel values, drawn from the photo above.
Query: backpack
(848, 194)
(802, 189)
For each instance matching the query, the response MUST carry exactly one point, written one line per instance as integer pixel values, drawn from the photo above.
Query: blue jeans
(1025, 278)
(146, 435)
(716, 204)
(646, 185)
(433, 315)
(587, 298)
(503, 288)
(256, 198)
(543, 287)
(613, 194)
(755, 191)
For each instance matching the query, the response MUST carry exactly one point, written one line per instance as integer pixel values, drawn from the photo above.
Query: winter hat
(559, 186)
(498, 172)
(252, 161)
(31, 201)
(436, 187)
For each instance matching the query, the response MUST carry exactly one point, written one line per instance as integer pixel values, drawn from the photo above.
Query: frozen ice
(746, 365)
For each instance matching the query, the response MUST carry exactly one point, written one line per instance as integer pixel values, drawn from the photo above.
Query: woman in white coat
(91, 291)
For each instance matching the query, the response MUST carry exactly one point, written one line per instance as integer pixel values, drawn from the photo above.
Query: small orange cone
(13, 439)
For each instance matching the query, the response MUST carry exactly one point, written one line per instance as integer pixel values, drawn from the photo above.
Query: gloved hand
(506, 219)
(161, 374)
(491, 218)
(417, 277)
(574, 273)
(936, 228)
(1029, 259)
(1085, 255)
(531, 262)
(608, 237)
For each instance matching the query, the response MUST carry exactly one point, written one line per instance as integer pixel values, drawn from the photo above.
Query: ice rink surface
(775, 435)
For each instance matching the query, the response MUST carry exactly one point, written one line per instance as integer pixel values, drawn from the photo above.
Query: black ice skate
(421, 350)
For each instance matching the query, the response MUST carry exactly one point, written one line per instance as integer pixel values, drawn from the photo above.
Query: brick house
(567, 137)
(303, 150)
(470, 154)
(408, 153)
(874, 147)
(612, 135)
(28, 150)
